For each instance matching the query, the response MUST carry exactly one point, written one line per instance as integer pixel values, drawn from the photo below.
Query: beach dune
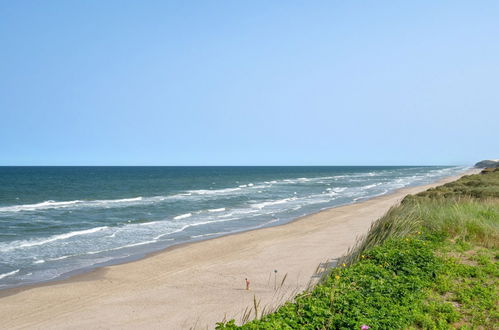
(196, 285)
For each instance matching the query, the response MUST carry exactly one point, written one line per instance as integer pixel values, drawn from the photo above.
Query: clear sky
(248, 82)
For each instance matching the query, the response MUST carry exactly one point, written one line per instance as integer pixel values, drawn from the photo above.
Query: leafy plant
(429, 263)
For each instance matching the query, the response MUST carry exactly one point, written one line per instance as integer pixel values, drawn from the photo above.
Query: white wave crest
(69, 204)
(38, 206)
(369, 186)
(276, 202)
(62, 257)
(214, 191)
(25, 244)
(217, 210)
(196, 224)
(4, 275)
(182, 216)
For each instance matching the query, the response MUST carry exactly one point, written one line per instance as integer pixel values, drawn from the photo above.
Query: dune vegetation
(429, 263)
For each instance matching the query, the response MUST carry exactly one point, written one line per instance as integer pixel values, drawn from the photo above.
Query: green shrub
(429, 263)
(380, 291)
(484, 185)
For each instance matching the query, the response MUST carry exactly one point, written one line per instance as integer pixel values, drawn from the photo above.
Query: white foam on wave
(123, 200)
(196, 224)
(337, 189)
(313, 180)
(425, 177)
(217, 210)
(38, 206)
(273, 220)
(154, 240)
(62, 257)
(163, 234)
(4, 275)
(26, 244)
(250, 187)
(214, 191)
(113, 234)
(149, 223)
(182, 216)
(447, 171)
(50, 204)
(136, 244)
(236, 212)
(369, 186)
(210, 234)
(270, 203)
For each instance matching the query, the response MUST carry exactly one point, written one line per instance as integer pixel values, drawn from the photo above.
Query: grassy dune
(431, 263)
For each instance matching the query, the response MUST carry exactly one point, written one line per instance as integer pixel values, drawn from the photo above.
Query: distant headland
(488, 163)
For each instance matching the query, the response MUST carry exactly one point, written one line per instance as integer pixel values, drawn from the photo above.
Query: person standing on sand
(247, 284)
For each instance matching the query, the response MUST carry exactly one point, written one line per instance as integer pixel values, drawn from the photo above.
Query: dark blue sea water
(55, 221)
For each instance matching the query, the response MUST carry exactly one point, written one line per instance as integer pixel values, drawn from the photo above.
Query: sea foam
(4, 275)
(182, 216)
(69, 204)
(25, 244)
(217, 210)
(275, 202)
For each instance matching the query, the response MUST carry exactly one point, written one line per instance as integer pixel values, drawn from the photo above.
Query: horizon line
(372, 165)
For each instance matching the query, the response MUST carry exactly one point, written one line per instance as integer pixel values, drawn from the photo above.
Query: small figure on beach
(247, 284)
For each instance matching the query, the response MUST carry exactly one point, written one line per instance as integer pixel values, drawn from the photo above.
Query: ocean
(59, 221)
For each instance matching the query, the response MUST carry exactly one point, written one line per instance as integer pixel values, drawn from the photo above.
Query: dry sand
(196, 285)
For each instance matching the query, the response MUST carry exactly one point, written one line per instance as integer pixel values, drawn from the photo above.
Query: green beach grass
(429, 263)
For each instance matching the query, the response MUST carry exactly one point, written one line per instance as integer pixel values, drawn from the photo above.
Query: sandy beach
(196, 285)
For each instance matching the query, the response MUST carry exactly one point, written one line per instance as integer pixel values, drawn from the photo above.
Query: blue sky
(248, 82)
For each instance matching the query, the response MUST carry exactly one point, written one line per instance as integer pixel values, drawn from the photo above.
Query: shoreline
(202, 278)
(145, 253)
